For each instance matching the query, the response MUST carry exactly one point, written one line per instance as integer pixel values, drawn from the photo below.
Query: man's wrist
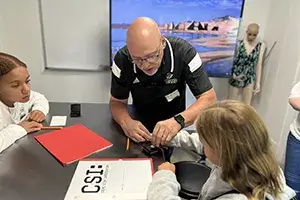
(125, 121)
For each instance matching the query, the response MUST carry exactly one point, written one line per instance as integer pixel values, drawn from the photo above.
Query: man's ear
(163, 40)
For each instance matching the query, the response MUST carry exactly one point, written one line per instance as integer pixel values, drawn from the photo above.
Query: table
(29, 172)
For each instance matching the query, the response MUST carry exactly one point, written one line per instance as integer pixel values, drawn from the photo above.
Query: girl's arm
(294, 98)
(187, 141)
(164, 186)
(10, 134)
(39, 102)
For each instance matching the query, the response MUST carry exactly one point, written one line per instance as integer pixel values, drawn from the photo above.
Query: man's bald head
(143, 37)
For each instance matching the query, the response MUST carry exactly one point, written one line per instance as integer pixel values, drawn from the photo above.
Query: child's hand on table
(31, 126)
(36, 116)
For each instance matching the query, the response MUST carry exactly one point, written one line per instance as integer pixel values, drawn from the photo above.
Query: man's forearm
(191, 113)
(119, 111)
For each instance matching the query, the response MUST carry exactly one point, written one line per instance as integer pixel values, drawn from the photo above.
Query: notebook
(72, 143)
(107, 179)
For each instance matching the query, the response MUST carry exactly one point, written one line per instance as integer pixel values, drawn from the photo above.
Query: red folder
(72, 143)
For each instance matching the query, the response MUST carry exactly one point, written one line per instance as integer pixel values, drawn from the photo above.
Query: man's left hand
(36, 116)
(164, 131)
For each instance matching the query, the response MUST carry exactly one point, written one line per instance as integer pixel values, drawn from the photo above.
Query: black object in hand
(148, 148)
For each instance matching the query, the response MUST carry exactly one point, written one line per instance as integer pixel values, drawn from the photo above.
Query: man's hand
(167, 166)
(36, 116)
(30, 126)
(164, 131)
(136, 131)
(256, 89)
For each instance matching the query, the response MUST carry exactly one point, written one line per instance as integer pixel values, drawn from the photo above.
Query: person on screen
(236, 141)
(155, 70)
(21, 110)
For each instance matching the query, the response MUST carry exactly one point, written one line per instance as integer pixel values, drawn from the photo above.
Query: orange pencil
(128, 144)
(49, 128)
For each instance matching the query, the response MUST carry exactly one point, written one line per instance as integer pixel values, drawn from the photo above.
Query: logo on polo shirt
(169, 79)
(169, 75)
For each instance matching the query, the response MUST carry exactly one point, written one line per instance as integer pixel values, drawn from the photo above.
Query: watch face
(180, 120)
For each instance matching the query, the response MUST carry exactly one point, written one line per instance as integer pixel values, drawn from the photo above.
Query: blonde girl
(235, 139)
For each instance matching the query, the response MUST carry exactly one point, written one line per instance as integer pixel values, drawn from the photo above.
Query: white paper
(58, 121)
(107, 180)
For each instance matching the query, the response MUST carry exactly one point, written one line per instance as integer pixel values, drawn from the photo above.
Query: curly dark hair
(8, 63)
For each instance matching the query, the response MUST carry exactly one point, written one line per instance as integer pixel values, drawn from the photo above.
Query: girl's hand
(167, 166)
(30, 126)
(36, 116)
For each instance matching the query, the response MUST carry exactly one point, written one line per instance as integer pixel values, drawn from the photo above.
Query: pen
(127, 144)
(48, 128)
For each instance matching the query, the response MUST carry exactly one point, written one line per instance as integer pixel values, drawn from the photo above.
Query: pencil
(128, 144)
(49, 128)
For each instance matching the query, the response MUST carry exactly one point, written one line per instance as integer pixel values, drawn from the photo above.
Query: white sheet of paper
(107, 180)
(58, 121)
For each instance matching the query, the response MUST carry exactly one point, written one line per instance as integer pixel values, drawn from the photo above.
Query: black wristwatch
(180, 120)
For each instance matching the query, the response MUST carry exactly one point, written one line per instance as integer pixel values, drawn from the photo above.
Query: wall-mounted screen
(211, 26)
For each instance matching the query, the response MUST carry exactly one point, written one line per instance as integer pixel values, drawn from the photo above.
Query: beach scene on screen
(211, 26)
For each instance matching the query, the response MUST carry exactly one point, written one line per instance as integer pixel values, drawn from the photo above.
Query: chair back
(191, 176)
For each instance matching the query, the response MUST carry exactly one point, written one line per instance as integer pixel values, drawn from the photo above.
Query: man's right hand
(30, 126)
(136, 131)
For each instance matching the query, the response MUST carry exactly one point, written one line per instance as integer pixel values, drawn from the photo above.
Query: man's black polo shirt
(162, 95)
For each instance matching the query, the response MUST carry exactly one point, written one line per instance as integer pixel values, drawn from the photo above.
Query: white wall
(21, 35)
(282, 70)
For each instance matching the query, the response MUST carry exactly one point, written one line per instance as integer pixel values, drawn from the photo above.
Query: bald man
(155, 70)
